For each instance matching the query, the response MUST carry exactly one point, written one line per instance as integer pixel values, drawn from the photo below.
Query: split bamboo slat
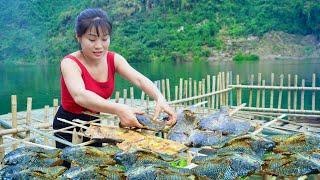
(168, 90)
(195, 92)
(203, 90)
(250, 91)
(185, 90)
(131, 96)
(199, 90)
(148, 104)
(208, 89)
(313, 92)
(213, 90)
(295, 95)
(125, 95)
(28, 115)
(14, 117)
(271, 92)
(218, 96)
(263, 94)
(230, 92)
(258, 92)
(302, 95)
(2, 152)
(289, 92)
(280, 92)
(163, 88)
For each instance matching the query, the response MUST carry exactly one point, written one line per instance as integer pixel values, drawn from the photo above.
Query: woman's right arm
(72, 77)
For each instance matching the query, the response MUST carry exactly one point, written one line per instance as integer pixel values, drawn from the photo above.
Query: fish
(221, 121)
(294, 165)
(199, 138)
(150, 123)
(84, 172)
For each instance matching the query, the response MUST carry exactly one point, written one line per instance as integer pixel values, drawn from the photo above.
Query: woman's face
(93, 46)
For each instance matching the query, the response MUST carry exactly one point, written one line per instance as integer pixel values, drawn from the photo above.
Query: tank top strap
(110, 62)
(82, 67)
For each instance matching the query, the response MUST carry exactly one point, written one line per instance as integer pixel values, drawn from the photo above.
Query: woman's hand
(127, 116)
(162, 105)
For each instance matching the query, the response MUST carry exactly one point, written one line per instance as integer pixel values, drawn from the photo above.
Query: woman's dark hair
(93, 18)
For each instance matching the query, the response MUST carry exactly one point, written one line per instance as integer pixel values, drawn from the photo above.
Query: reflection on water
(41, 82)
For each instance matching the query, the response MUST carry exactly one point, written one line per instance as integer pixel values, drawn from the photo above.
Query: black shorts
(63, 114)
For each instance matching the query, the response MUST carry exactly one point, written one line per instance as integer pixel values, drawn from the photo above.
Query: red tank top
(103, 89)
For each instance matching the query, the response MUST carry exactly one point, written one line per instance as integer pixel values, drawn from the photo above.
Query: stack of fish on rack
(225, 150)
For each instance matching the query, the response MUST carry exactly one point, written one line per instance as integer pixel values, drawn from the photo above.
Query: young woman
(87, 77)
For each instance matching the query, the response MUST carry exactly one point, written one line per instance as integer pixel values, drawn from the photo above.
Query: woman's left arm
(145, 84)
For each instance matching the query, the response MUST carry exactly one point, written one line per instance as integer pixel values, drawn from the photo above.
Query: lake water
(41, 82)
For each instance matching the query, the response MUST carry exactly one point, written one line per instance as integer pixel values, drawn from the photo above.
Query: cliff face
(271, 45)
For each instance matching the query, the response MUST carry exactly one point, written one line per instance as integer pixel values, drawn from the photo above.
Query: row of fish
(281, 155)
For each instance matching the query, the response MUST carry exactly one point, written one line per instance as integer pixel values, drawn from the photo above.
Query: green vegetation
(245, 57)
(149, 30)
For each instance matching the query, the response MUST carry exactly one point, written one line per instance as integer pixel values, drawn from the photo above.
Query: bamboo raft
(264, 107)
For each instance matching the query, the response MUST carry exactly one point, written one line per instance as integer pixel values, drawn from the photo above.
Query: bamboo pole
(163, 88)
(185, 89)
(199, 96)
(218, 89)
(203, 90)
(180, 88)
(14, 117)
(289, 92)
(250, 91)
(168, 90)
(55, 106)
(21, 129)
(213, 90)
(268, 124)
(281, 110)
(176, 90)
(148, 103)
(2, 152)
(302, 95)
(200, 91)
(280, 92)
(238, 91)
(208, 90)
(271, 93)
(195, 90)
(223, 85)
(263, 94)
(275, 87)
(230, 92)
(125, 95)
(142, 98)
(226, 86)
(295, 98)
(28, 115)
(190, 89)
(313, 92)
(117, 96)
(258, 92)
(46, 120)
(131, 96)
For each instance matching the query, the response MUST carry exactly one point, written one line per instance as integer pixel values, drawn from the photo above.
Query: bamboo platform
(264, 107)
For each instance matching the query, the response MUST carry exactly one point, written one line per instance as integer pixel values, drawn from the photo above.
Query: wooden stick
(263, 94)
(185, 89)
(250, 91)
(14, 117)
(142, 98)
(295, 98)
(208, 89)
(195, 93)
(28, 115)
(190, 89)
(238, 91)
(271, 93)
(117, 96)
(231, 94)
(302, 95)
(289, 92)
(258, 92)
(176, 89)
(281, 110)
(213, 90)
(203, 90)
(72, 123)
(168, 90)
(276, 87)
(313, 92)
(131, 96)
(46, 120)
(180, 88)
(125, 95)
(200, 91)
(55, 107)
(2, 151)
(30, 143)
(21, 129)
(280, 92)
(218, 89)
(226, 86)
(223, 83)
(268, 124)
(163, 88)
